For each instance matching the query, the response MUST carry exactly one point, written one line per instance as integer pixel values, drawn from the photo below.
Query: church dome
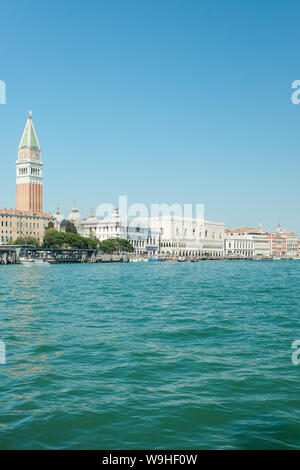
(75, 217)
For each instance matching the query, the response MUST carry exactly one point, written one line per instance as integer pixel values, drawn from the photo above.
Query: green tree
(107, 246)
(92, 234)
(50, 225)
(113, 245)
(26, 241)
(70, 227)
(92, 243)
(123, 245)
(19, 241)
(52, 238)
(73, 240)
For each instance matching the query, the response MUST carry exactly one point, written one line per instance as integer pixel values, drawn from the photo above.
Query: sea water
(150, 356)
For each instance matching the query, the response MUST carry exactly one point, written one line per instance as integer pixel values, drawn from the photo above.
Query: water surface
(154, 355)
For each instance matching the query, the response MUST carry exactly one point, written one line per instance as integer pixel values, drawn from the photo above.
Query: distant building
(28, 219)
(291, 244)
(238, 244)
(168, 235)
(290, 241)
(277, 244)
(184, 236)
(58, 219)
(260, 246)
(113, 226)
(75, 217)
(15, 224)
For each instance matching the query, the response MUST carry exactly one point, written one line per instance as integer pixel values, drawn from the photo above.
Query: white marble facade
(167, 235)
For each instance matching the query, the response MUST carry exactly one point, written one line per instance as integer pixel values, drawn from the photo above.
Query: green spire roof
(29, 138)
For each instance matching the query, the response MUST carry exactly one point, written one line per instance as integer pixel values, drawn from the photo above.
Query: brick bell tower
(29, 171)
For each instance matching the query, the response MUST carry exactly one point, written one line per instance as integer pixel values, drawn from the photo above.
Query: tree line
(71, 239)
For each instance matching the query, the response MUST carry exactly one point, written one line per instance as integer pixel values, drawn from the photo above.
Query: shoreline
(143, 261)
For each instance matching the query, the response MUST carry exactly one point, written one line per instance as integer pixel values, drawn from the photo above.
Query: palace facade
(238, 244)
(167, 235)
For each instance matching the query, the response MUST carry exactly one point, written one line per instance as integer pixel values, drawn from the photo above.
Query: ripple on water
(191, 355)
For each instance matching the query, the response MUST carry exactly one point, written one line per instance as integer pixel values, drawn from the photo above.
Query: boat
(27, 261)
(138, 260)
(156, 259)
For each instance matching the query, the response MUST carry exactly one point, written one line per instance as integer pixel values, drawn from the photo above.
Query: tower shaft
(29, 177)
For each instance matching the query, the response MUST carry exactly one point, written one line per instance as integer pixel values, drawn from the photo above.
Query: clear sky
(163, 100)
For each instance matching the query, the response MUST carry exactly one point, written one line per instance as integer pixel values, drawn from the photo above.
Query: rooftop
(14, 212)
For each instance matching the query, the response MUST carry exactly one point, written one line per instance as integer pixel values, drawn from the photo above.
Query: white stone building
(183, 236)
(238, 244)
(167, 235)
(261, 241)
(135, 231)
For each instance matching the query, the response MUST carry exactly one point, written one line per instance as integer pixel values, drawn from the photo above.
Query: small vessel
(27, 261)
(138, 260)
(156, 259)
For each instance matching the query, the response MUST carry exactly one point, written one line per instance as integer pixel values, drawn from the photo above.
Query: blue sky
(164, 101)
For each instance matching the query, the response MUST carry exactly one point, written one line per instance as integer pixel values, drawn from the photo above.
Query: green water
(154, 355)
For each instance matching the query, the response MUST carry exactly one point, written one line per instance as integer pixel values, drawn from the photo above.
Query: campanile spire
(29, 171)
